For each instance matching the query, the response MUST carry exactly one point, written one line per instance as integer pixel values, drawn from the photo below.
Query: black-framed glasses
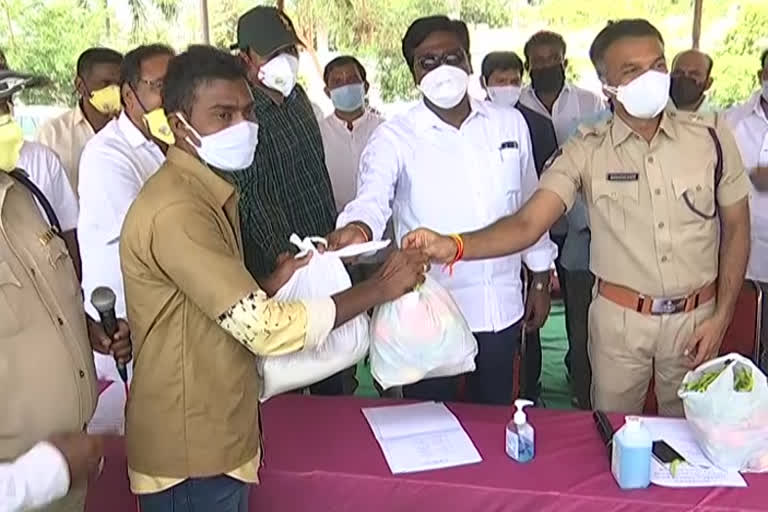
(429, 62)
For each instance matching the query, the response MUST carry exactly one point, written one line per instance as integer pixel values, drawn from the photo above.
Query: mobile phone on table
(664, 453)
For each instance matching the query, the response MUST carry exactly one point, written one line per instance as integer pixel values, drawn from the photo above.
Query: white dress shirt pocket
(508, 177)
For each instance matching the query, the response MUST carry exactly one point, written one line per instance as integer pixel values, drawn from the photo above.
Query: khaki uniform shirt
(644, 236)
(47, 378)
(67, 135)
(193, 410)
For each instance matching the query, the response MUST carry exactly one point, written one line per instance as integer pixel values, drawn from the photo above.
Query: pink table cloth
(320, 455)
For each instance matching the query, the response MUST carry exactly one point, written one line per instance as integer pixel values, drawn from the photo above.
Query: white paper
(420, 437)
(688, 475)
(698, 470)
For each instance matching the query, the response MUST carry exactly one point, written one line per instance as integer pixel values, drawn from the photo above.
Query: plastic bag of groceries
(323, 276)
(726, 404)
(419, 336)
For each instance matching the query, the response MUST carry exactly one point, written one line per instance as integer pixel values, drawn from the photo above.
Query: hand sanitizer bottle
(520, 436)
(631, 456)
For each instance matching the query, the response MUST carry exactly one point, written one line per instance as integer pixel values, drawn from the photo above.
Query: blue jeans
(493, 380)
(214, 494)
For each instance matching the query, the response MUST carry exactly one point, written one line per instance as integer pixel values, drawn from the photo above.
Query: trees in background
(46, 36)
(737, 61)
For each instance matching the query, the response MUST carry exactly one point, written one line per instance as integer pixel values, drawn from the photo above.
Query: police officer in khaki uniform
(47, 378)
(666, 194)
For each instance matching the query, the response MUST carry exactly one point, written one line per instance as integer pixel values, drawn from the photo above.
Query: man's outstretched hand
(402, 271)
(438, 248)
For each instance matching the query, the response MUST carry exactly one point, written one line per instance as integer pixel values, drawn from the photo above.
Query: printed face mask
(11, 140)
(106, 100)
(231, 149)
(157, 124)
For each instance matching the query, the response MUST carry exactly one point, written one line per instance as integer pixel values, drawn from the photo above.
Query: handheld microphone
(103, 299)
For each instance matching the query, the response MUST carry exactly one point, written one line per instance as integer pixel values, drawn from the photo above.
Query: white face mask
(445, 86)
(231, 149)
(506, 95)
(280, 73)
(765, 90)
(646, 96)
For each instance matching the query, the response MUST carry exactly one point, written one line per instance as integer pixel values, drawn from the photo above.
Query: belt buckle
(667, 306)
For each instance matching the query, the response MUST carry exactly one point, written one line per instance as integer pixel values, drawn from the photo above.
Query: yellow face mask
(106, 100)
(11, 140)
(157, 122)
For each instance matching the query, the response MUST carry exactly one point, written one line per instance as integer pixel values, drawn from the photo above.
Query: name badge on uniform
(623, 176)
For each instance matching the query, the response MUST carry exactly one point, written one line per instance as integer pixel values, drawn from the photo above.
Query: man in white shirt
(346, 131)
(456, 163)
(96, 83)
(567, 105)
(115, 164)
(749, 123)
(691, 79)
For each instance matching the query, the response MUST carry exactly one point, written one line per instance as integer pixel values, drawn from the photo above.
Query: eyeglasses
(429, 62)
(154, 85)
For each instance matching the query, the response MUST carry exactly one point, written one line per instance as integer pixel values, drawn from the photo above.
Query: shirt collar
(620, 131)
(132, 134)
(79, 115)
(757, 107)
(357, 122)
(424, 116)
(219, 188)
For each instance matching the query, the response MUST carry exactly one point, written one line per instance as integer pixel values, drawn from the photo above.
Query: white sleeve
(108, 186)
(376, 181)
(540, 256)
(34, 480)
(62, 197)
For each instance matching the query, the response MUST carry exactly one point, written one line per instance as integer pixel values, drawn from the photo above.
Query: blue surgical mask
(348, 98)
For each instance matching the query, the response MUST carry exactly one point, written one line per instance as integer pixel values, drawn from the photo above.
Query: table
(320, 455)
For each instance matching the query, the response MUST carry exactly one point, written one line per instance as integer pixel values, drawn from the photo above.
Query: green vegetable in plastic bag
(703, 381)
(743, 379)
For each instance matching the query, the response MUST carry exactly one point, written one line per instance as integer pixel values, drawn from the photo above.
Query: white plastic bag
(419, 336)
(731, 426)
(323, 276)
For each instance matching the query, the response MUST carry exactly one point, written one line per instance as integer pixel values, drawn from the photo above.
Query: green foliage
(46, 37)
(737, 60)
(494, 13)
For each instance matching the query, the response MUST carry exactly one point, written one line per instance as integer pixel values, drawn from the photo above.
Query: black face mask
(685, 91)
(550, 79)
